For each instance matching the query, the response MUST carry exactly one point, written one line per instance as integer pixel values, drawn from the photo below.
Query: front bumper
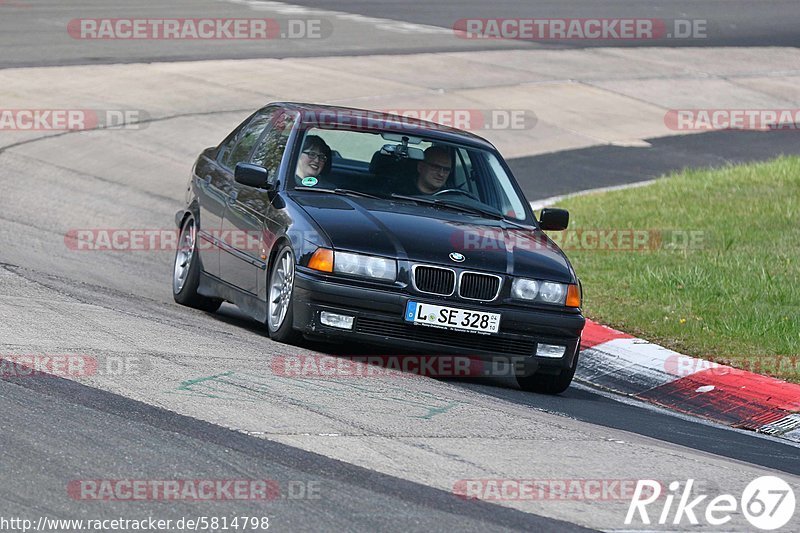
(379, 320)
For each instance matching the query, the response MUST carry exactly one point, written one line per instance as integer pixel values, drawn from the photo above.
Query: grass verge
(706, 262)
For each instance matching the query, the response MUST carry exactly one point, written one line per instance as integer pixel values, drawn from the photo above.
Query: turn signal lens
(322, 260)
(573, 296)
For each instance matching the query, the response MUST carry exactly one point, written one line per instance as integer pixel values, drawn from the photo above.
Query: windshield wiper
(490, 213)
(450, 205)
(455, 206)
(417, 199)
(351, 192)
(439, 203)
(343, 192)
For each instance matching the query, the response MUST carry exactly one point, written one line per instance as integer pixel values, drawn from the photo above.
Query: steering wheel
(459, 191)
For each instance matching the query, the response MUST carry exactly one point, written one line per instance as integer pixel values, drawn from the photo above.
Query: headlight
(346, 263)
(525, 289)
(548, 292)
(365, 266)
(552, 293)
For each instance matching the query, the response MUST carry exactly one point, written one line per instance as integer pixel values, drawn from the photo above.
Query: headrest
(387, 165)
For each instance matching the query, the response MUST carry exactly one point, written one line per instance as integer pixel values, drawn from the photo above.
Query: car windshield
(403, 167)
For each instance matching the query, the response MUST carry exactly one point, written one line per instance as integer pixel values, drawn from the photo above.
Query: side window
(230, 141)
(270, 149)
(238, 150)
(510, 203)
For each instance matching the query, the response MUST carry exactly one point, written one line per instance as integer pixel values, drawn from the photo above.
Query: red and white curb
(616, 361)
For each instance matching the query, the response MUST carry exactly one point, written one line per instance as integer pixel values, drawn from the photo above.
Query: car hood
(431, 234)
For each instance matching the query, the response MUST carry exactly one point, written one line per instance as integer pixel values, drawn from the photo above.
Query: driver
(432, 172)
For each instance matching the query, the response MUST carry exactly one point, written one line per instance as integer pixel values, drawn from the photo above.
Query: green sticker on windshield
(310, 181)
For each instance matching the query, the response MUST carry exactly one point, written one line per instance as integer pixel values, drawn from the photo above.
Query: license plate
(439, 316)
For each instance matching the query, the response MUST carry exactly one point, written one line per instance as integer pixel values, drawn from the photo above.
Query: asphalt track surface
(35, 33)
(56, 431)
(567, 171)
(729, 22)
(154, 440)
(358, 444)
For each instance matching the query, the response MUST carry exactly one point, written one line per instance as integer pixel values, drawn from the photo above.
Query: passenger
(314, 163)
(432, 173)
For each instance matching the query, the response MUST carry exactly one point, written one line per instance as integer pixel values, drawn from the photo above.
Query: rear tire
(280, 298)
(549, 383)
(186, 271)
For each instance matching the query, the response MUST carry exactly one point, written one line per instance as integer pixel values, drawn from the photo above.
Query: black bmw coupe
(358, 226)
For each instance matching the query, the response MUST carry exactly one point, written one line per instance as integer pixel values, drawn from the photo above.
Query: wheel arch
(276, 246)
(191, 210)
(273, 251)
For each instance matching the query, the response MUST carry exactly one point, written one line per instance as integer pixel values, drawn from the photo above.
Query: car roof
(352, 118)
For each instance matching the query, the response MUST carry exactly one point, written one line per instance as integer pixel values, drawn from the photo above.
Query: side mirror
(553, 219)
(252, 176)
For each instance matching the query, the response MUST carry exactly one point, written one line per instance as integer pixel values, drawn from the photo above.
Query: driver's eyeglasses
(439, 168)
(316, 155)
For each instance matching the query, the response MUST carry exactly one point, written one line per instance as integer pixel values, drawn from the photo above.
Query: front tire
(280, 291)
(186, 271)
(549, 383)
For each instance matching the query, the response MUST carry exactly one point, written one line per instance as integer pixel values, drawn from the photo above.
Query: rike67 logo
(768, 504)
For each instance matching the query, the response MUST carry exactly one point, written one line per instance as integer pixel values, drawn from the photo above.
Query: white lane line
(547, 202)
(395, 26)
